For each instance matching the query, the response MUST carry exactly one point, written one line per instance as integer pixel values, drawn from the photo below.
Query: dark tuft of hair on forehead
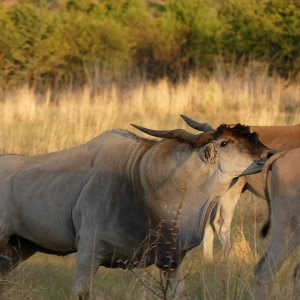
(238, 131)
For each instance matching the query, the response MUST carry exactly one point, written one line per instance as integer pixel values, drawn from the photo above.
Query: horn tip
(187, 120)
(135, 126)
(141, 128)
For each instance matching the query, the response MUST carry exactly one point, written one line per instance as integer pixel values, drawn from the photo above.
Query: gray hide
(283, 195)
(118, 200)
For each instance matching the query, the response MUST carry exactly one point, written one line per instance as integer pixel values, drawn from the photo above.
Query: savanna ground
(31, 124)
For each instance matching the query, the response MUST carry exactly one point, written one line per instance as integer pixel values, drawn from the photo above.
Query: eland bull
(278, 138)
(282, 189)
(121, 200)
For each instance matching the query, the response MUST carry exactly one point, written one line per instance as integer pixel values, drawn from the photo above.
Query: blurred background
(71, 69)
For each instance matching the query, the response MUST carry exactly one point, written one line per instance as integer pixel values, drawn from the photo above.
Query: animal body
(282, 173)
(121, 200)
(279, 138)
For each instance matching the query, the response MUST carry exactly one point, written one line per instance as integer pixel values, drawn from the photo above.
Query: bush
(59, 42)
(264, 30)
(183, 38)
(24, 31)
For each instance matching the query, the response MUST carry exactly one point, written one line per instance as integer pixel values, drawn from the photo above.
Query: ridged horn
(179, 135)
(196, 125)
(176, 134)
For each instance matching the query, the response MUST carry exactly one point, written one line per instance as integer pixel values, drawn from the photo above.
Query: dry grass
(31, 125)
(240, 250)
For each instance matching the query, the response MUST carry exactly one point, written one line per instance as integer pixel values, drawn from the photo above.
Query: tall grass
(32, 125)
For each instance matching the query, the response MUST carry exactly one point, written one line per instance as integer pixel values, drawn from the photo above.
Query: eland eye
(224, 143)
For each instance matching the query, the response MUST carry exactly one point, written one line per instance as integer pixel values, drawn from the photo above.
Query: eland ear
(209, 153)
(196, 125)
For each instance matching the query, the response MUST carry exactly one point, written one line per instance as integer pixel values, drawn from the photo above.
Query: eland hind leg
(283, 243)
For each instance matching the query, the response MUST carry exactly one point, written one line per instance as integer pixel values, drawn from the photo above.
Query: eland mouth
(265, 156)
(255, 167)
(261, 161)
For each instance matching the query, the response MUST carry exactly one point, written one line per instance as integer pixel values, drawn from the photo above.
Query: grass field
(31, 125)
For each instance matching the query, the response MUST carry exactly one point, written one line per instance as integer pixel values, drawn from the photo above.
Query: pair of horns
(182, 135)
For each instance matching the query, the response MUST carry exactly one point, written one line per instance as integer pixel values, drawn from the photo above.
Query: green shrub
(58, 42)
(183, 37)
(24, 31)
(266, 30)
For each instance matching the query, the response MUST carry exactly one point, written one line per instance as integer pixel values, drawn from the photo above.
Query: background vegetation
(71, 69)
(30, 126)
(72, 42)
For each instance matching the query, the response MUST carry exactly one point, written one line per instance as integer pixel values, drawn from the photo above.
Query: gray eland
(279, 138)
(282, 173)
(121, 200)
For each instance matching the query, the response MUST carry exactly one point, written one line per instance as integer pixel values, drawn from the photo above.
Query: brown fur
(240, 132)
